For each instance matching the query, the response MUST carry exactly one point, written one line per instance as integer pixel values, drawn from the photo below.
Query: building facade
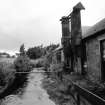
(82, 53)
(94, 51)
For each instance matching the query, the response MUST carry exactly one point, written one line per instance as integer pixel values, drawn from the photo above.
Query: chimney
(76, 37)
(66, 38)
(76, 31)
(65, 26)
(65, 30)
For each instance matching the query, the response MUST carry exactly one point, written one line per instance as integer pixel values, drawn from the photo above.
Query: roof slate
(94, 29)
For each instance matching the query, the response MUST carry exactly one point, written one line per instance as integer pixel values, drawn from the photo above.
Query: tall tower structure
(65, 40)
(72, 38)
(76, 31)
(76, 36)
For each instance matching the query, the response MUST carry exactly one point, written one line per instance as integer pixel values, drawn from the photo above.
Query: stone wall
(93, 59)
(93, 55)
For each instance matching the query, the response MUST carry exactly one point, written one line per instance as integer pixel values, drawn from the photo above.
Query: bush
(56, 67)
(7, 73)
(38, 63)
(22, 64)
(46, 62)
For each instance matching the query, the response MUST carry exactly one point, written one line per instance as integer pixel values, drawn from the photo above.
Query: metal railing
(37, 72)
(86, 94)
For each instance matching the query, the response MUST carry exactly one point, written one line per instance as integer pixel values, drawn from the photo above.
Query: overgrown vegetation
(38, 63)
(56, 88)
(35, 52)
(10, 79)
(6, 72)
(7, 76)
(22, 64)
(40, 56)
(39, 51)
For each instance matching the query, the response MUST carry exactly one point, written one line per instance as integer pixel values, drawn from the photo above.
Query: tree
(35, 52)
(22, 50)
(38, 51)
(22, 62)
(51, 47)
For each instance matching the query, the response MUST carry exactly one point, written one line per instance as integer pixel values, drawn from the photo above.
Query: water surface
(33, 93)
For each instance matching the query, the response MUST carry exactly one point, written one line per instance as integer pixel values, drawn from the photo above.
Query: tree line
(39, 51)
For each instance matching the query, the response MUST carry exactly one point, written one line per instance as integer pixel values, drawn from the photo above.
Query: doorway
(102, 52)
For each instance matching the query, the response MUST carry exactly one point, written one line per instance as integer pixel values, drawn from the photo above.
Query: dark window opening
(102, 51)
(84, 59)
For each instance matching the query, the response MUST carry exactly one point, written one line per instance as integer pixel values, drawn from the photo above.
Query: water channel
(33, 93)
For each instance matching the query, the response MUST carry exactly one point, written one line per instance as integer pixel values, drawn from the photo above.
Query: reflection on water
(33, 93)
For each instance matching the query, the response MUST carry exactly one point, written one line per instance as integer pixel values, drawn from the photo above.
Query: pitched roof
(85, 29)
(94, 29)
(79, 6)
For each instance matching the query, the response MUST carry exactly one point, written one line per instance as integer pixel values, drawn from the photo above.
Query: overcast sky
(35, 22)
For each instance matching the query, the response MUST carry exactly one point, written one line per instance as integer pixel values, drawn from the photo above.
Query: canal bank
(32, 93)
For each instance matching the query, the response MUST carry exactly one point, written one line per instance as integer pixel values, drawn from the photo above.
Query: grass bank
(7, 75)
(10, 80)
(56, 87)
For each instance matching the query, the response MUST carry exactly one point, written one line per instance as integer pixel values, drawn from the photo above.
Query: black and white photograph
(52, 52)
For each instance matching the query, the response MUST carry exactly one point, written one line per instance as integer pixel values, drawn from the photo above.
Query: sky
(36, 22)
